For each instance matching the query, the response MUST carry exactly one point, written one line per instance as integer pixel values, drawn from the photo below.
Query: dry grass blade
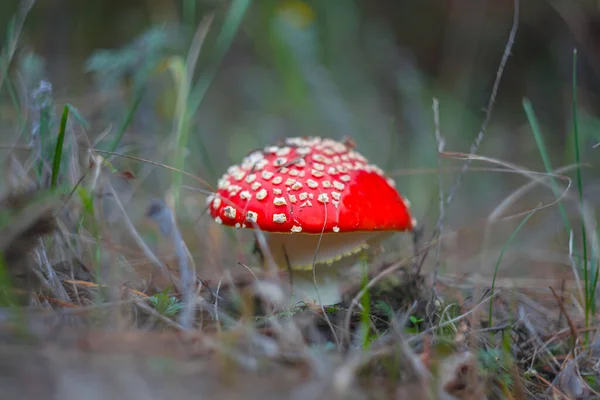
(138, 239)
(95, 285)
(491, 101)
(442, 209)
(201, 181)
(165, 219)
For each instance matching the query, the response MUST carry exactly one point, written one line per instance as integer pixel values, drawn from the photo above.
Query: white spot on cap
(303, 196)
(229, 212)
(318, 166)
(255, 185)
(345, 178)
(335, 203)
(251, 178)
(294, 172)
(251, 216)
(336, 229)
(339, 147)
(253, 157)
(277, 191)
(292, 198)
(284, 151)
(336, 195)
(323, 198)
(266, 175)
(332, 170)
(260, 164)
(223, 183)
(326, 184)
(297, 186)
(262, 194)
(279, 161)
(301, 163)
(284, 170)
(279, 201)
(271, 149)
(246, 195)
(218, 220)
(289, 181)
(234, 189)
(312, 184)
(296, 229)
(316, 174)
(279, 218)
(217, 203)
(306, 203)
(391, 182)
(406, 201)
(338, 185)
(295, 141)
(238, 175)
(303, 151)
(277, 180)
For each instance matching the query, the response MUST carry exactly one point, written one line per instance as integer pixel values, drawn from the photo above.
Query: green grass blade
(232, 22)
(75, 113)
(497, 267)
(588, 289)
(539, 140)
(139, 95)
(59, 146)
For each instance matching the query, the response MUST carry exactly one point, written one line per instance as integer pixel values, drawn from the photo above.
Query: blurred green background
(362, 68)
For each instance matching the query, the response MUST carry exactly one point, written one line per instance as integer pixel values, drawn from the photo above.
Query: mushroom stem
(323, 286)
(336, 251)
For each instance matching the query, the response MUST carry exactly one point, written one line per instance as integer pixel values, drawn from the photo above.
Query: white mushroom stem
(336, 251)
(327, 288)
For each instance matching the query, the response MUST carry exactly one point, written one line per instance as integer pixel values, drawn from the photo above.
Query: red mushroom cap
(309, 185)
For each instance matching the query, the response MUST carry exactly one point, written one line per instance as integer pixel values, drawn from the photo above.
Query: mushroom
(311, 195)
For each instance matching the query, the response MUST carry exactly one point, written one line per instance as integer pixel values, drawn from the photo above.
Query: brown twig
(572, 326)
(95, 285)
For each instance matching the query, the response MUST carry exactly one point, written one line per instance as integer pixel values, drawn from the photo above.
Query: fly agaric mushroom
(310, 194)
